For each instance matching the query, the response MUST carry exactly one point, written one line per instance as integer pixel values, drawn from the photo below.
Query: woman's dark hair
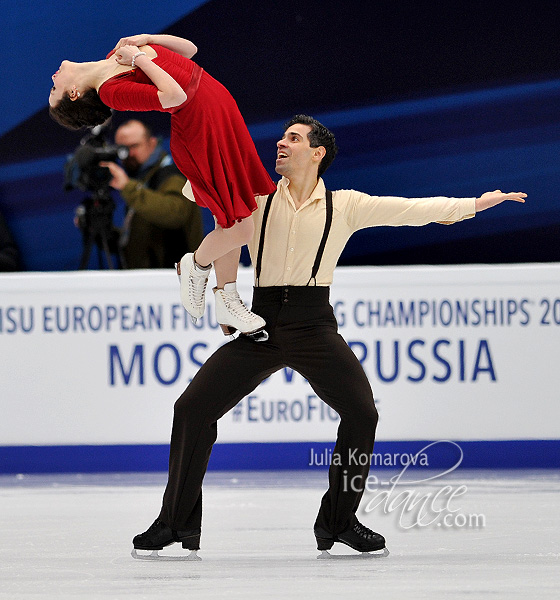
(87, 111)
(318, 136)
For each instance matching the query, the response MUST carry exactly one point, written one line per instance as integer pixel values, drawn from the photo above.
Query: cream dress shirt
(293, 235)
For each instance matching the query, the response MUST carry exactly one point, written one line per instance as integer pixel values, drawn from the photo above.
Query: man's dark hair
(87, 111)
(318, 136)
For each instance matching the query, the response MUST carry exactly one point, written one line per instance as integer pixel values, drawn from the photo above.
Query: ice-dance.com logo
(417, 502)
(420, 503)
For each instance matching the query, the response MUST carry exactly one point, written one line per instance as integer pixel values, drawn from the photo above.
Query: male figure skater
(300, 232)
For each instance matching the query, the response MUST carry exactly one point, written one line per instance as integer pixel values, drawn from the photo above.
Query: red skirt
(212, 147)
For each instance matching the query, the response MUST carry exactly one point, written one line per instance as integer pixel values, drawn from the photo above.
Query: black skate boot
(159, 535)
(357, 536)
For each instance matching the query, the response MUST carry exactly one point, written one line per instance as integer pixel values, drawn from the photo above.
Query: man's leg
(231, 373)
(338, 378)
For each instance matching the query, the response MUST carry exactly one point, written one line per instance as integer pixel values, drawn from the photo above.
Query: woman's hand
(170, 93)
(134, 40)
(124, 54)
(171, 42)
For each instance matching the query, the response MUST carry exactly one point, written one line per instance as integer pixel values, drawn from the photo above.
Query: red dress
(210, 143)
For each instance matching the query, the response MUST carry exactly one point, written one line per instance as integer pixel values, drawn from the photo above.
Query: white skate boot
(233, 315)
(193, 280)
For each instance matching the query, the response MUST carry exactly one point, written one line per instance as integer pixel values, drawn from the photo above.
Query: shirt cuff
(466, 210)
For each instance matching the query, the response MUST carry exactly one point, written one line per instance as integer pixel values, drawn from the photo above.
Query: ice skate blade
(193, 556)
(326, 555)
(258, 336)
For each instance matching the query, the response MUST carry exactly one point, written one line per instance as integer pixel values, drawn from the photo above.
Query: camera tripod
(96, 223)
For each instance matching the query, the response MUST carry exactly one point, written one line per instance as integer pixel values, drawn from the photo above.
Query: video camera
(82, 170)
(94, 216)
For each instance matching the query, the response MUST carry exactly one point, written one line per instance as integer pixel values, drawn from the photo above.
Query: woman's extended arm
(170, 93)
(171, 42)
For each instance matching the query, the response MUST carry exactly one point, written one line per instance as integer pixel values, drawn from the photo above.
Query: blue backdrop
(423, 99)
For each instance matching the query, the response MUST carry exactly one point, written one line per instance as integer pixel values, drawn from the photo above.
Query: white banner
(467, 353)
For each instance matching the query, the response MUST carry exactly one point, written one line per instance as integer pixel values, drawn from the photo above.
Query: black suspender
(261, 240)
(326, 230)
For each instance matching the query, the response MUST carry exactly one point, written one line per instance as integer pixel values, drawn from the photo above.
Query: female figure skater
(210, 144)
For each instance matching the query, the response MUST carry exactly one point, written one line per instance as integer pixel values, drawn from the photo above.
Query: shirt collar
(318, 193)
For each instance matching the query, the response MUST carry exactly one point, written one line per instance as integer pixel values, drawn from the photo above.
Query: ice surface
(70, 537)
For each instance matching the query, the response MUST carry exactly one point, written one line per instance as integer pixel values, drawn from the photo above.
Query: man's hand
(490, 199)
(119, 176)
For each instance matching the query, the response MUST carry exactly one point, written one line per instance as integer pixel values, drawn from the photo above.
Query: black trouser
(303, 336)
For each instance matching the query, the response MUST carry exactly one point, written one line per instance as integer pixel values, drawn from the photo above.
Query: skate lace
(363, 531)
(234, 304)
(197, 288)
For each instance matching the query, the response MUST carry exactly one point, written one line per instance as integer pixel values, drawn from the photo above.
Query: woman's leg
(221, 247)
(226, 267)
(221, 241)
(231, 313)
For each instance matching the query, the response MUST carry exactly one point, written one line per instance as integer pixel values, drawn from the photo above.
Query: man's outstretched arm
(490, 199)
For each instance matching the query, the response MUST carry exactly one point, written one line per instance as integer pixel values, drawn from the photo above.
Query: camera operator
(161, 225)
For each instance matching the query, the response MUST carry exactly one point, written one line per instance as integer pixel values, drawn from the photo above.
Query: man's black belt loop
(318, 258)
